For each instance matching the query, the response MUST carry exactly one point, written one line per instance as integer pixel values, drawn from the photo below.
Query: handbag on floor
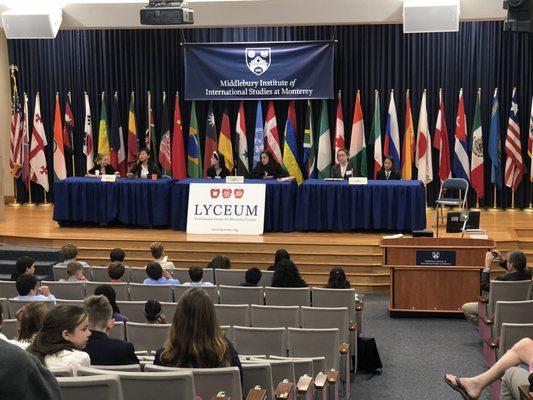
(368, 355)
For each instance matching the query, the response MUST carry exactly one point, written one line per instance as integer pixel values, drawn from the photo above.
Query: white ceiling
(98, 14)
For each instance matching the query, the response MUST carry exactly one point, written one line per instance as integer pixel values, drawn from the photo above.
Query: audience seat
(121, 289)
(142, 292)
(147, 336)
(258, 374)
(118, 331)
(182, 274)
(325, 297)
(123, 368)
(210, 381)
(105, 387)
(510, 334)
(5, 308)
(233, 314)
(211, 291)
(282, 369)
(148, 385)
(58, 371)
(134, 310)
(10, 328)
(275, 316)
(15, 305)
(100, 274)
(66, 290)
(241, 295)
(137, 275)
(229, 277)
(8, 289)
(304, 366)
(60, 272)
(69, 302)
(275, 296)
(268, 341)
(266, 278)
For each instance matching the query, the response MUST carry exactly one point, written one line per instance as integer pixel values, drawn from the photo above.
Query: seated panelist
(388, 172)
(145, 167)
(343, 169)
(267, 168)
(218, 168)
(102, 167)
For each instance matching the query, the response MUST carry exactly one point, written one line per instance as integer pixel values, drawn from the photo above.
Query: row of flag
(467, 161)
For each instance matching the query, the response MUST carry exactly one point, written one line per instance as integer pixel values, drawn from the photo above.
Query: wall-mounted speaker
(430, 16)
(519, 15)
(32, 25)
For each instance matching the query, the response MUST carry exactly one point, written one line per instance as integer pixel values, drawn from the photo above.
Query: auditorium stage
(314, 253)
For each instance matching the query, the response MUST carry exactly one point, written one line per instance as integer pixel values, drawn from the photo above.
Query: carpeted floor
(416, 352)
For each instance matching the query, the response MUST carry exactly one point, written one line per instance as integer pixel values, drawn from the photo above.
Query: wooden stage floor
(314, 253)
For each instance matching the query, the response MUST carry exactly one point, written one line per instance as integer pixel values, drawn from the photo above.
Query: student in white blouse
(64, 335)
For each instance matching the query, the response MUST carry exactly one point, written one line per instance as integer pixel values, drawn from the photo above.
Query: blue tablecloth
(131, 201)
(379, 205)
(280, 201)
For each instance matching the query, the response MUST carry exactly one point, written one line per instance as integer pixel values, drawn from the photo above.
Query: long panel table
(379, 205)
(280, 200)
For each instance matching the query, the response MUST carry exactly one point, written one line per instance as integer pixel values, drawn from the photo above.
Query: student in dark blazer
(267, 168)
(102, 349)
(102, 167)
(218, 169)
(388, 172)
(145, 167)
(343, 169)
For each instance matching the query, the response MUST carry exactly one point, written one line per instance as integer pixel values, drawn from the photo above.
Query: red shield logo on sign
(226, 193)
(239, 193)
(215, 193)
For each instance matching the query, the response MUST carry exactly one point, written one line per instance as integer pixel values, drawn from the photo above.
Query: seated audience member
(337, 279)
(64, 335)
(267, 168)
(388, 171)
(513, 378)
(145, 166)
(343, 169)
(281, 254)
(24, 377)
(153, 314)
(252, 277)
(196, 274)
(470, 388)
(117, 254)
(111, 295)
(102, 167)
(516, 267)
(30, 318)
(28, 290)
(218, 169)
(287, 275)
(220, 261)
(196, 340)
(116, 270)
(102, 349)
(158, 252)
(158, 276)
(25, 265)
(74, 272)
(70, 253)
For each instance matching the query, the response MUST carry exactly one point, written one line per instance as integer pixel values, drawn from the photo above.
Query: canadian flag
(39, 169)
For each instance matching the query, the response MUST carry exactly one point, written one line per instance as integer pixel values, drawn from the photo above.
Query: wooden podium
(433, 275)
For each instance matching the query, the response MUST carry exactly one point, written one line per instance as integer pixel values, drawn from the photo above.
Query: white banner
(221, 208)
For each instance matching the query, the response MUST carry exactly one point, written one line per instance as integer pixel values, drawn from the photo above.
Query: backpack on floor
(368, 355)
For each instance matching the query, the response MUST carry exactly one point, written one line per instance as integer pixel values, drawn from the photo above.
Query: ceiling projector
(166, 12)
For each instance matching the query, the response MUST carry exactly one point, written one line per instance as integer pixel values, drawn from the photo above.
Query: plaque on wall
(435, 257)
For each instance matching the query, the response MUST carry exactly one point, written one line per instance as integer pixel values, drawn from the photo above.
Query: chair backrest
(15, 305)
(123, 368)
(60, 272)
(275, 316)
(268, 341)
(69, 302)
(182, 274)
(275, 296)
(229, 277)
(210, 381)
(5, 308)
(507, 291)
(10, 328)
(105, 387)
(121, 289)
(511, 334)
(211, 291)
(60, 371)
(257, 374)
(327, 317)
(281, 369)
(303, 366)
(266, 278)
(147, 385)
(233, 314)
(325, 297)
(8, 289)
(100, 274)
(241, 295)
(118, 331)
(147, 336)
(137, 275)
(513, 312)
(455, 184)
(315, 343)
(134, 310)
(66, 290)
(142, 292)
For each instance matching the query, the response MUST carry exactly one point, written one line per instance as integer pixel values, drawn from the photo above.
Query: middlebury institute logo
(258, 59)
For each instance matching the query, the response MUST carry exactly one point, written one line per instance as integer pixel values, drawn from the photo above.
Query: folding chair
(460, 187)
(275, 296)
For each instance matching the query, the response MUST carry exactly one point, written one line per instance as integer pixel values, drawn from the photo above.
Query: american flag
(514, 165)
(15, 146)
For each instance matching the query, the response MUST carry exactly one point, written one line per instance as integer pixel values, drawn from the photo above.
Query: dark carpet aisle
(415, 353)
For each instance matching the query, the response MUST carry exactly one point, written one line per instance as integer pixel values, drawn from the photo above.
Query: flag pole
(29, 203)
(72, 156)
(530, 208)
(15, 202)
(495, 206)
(46, 203)
(513, 208)
(476, 208)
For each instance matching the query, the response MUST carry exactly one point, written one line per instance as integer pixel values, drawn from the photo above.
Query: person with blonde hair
(158, 252)
(102, 167)
(30, 318)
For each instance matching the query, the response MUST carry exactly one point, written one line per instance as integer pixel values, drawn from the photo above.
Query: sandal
(458, 388)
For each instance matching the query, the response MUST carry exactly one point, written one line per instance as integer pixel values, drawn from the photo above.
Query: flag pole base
(428, 208)
(512, 209)
(46, 204)
(15, 203)
(477, 209)
(529, 209)
(29, 204)
(495, 209)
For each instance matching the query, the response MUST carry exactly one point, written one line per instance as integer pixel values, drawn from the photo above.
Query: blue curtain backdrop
(367, 57)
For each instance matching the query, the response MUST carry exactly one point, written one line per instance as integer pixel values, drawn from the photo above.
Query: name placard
(436, 257)
(109, 178)
(360, 180)
(234, 179)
